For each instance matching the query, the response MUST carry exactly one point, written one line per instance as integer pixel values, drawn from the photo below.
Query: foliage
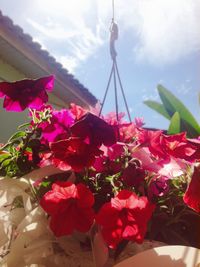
(181, 119)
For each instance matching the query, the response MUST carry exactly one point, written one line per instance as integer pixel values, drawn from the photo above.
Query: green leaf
(17, 135)
(6, 146)
(173, 104)
(4, 157)
(6, 162)
(23, 125)
(157, 107)
(175, 124)
(186, 127)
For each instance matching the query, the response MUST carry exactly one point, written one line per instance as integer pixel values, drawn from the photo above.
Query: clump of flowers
(129, 182)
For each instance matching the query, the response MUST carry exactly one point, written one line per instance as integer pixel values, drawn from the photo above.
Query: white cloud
(166, 29)
(184, 89)
(150, 95)
(159, 31)
(52, 30)
(66, 31)
(70, 63)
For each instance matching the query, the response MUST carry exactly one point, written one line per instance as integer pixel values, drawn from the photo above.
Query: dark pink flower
(94, 130)
(99, 164)
(70, 208)
(159, 186)
(192, 195)
(116, 150)
(134, 174)
(25, 93)
(125, 217)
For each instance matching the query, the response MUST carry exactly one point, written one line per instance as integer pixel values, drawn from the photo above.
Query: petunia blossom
(95, 130)
(77, 111)
(58, 127)
(139, 121)
(128, 132)
(70, 208)
(178, 146)
(159, 186)
(26, 93)
(192, 196)
(152, 140)
(125, 217)
(111, 118)
(133, 174)
(73, 153)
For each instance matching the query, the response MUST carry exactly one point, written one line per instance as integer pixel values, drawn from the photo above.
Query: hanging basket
(26, 238)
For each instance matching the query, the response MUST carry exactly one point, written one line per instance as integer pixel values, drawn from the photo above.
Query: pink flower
(58, 127)
(111, 118)
(70, 208)
(125, 217)
(128, 132)
(26, 93)
(77, 111)
(192, 195)
(139, 122)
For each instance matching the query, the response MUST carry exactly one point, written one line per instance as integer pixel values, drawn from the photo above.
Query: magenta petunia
(26, 93)
(58, 127)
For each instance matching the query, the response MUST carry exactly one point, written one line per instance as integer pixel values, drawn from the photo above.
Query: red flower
(125, 217)
(152, 140)
(192, 195)
(26, 93)
(70, 208)
(178, 146)
(73, 153)
(94, 130)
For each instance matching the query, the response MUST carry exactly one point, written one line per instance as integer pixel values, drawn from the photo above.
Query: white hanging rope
(113, 9)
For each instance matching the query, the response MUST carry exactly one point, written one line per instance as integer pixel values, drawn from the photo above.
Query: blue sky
(159, 42)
